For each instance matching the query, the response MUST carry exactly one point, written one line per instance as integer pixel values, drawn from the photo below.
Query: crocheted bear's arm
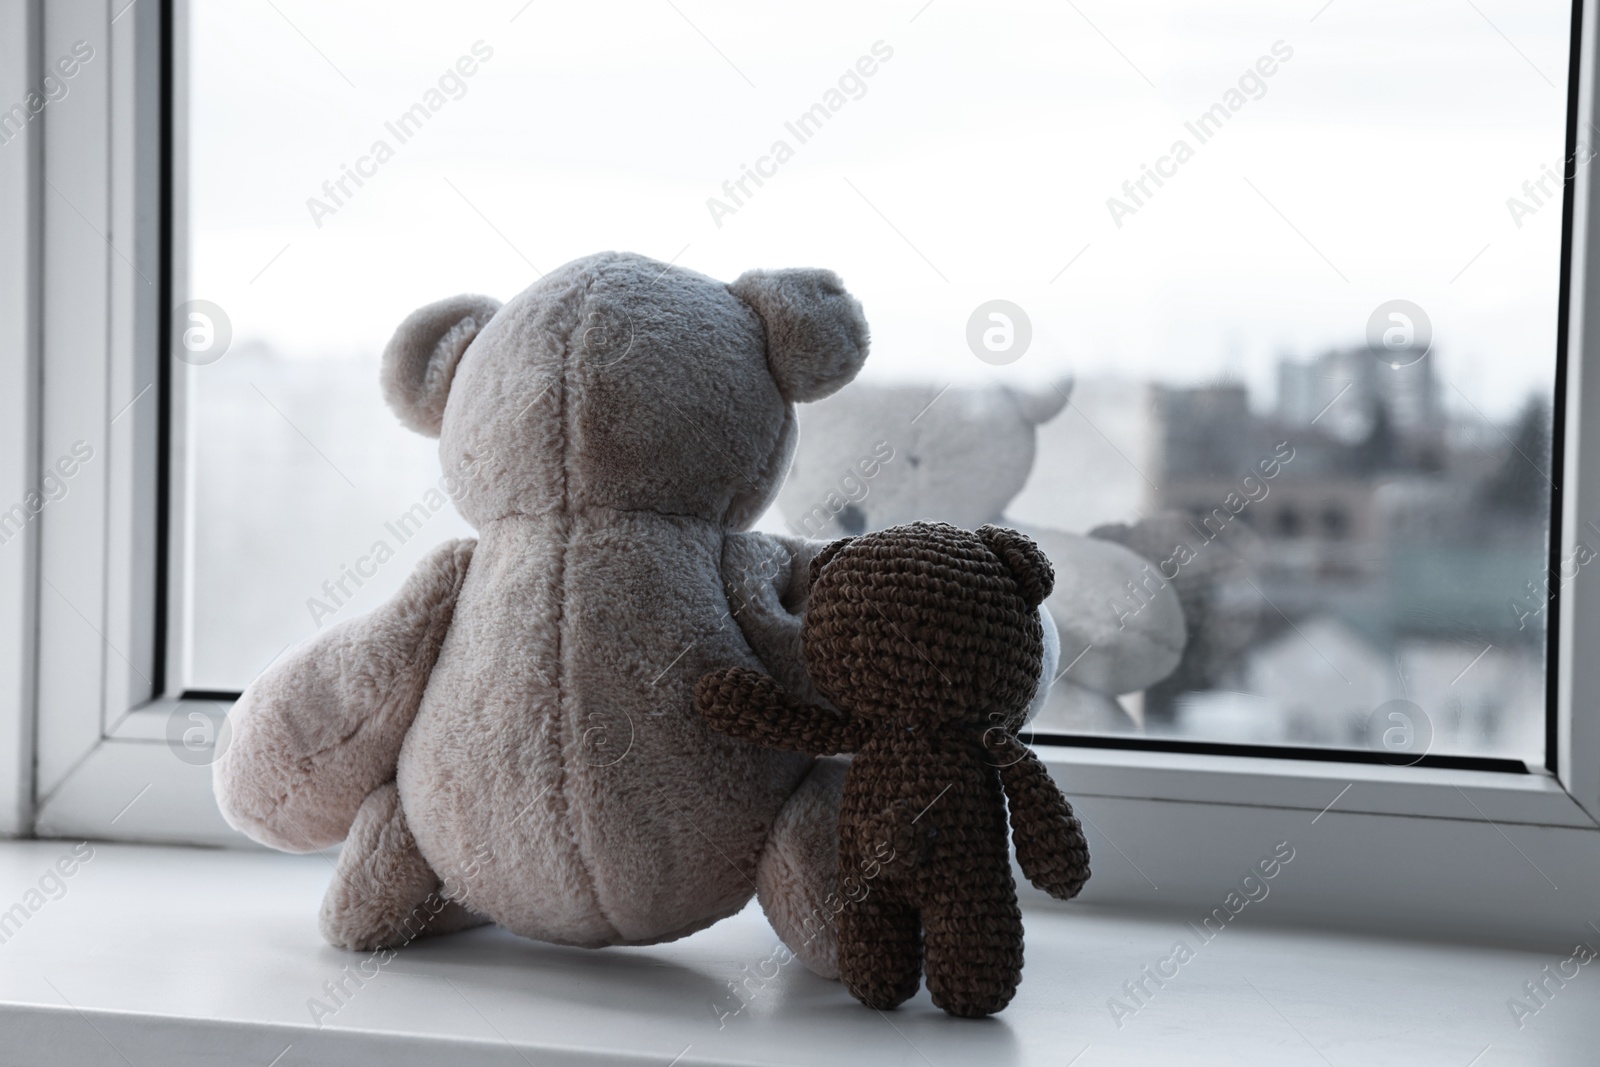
(1050, 845)
(753, 707)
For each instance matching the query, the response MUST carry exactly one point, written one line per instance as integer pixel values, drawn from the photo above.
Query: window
(1320, 346)
(1209, 260)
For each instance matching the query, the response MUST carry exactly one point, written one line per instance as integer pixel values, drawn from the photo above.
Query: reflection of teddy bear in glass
(961, 455)
(928, 639)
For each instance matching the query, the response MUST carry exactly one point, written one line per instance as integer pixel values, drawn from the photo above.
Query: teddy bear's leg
(797, 878)
(974, 952)
(384, 894)
(880, 950)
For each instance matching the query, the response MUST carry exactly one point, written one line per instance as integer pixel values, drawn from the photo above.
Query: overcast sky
(1375, 165)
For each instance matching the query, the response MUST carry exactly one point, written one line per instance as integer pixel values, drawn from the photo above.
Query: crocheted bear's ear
(419, 362)
(816, 333)
(1024, 559)
(820, 560)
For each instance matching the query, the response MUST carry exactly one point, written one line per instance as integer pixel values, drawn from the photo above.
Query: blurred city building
(1399, 550)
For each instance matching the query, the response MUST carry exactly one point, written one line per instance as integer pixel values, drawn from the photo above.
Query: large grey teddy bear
(515, 731)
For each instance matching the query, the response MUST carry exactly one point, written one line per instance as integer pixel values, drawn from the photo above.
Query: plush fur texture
(323, 727)
(927, 639)
(383, 891)
(420, 361)
(815, 330)
(515, 732)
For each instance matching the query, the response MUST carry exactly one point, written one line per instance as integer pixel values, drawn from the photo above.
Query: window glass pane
(1248, 316)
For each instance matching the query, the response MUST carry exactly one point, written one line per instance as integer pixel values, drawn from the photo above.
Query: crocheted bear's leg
(974, 950)
(880, 950)
(797, 878)
(384, 894)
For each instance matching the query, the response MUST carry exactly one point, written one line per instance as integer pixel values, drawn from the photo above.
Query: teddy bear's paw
(974, 953)
(420, 921)
(728, 696)
(880, 952)
(1064, 884)
(384, 894)
(1062, 872)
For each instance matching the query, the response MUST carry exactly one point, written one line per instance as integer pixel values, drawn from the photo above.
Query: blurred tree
(1380, 450)
(1522, 484)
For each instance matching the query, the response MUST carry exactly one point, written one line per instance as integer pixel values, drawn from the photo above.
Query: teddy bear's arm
(753, 707)
(766, 578)
(1050, 845)
(322, 727)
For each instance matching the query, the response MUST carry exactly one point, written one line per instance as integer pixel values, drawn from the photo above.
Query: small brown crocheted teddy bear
(928, 639)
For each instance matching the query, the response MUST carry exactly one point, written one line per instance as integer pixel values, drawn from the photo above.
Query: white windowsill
(1402, 851)
(162, 955)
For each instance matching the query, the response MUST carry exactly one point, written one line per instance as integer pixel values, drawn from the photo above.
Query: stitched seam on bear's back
(564, 738)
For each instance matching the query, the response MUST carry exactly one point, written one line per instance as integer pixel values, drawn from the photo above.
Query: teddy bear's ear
(1041, 405)
(820, 560)
(420, 360)
(1024, 559)
(816, 333)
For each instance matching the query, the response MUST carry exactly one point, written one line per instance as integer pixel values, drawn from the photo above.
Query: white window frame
(19, 422)
(83, 748)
